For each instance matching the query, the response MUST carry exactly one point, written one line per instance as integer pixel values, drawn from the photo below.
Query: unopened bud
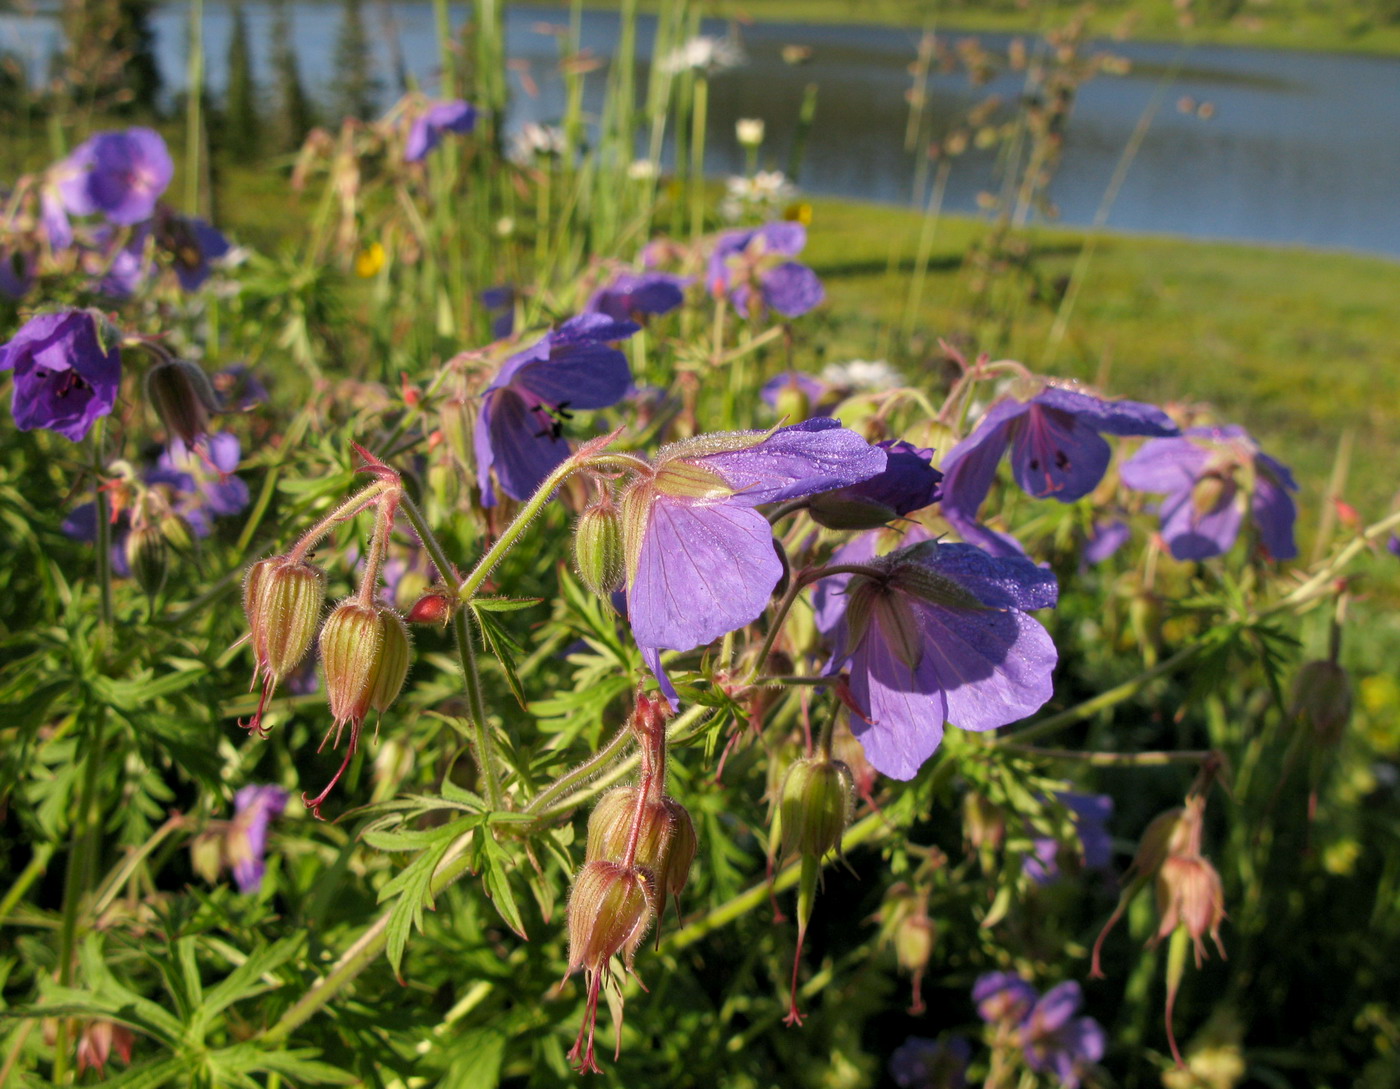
(1212, 493)
(283, 600)
(148, 558)
(1189, 894)
(610, 908)
(1162, 836)
(391, 669)
(177, 533)
(434, 607)
(207, 855)
(984, 823)
(914, 935)
(610, 829)
(817, 802)
(598, 551)
(352, 643)
(183, 398)
(1322, 699)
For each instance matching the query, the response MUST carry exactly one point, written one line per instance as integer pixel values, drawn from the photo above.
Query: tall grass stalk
(1120, 174)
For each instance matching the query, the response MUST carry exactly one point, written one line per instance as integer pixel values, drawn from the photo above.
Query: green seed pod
(610, 828)
(1322, 699)
(352, 643)
(183, 398)
(817, 803)
(598, 553)
(283, 600)
(148, 557)
(610, 908)
(671, 878)
(391, 669)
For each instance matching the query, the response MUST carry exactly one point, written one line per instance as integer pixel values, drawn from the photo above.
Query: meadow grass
(1297, 343)
(1283, 24)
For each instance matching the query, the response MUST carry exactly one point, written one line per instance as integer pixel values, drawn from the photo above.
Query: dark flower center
(553, 418)
(68, 381)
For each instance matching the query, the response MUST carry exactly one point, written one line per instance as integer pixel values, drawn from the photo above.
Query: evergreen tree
(242, 123)
(110, 60)
(354, 87)
(295, 114)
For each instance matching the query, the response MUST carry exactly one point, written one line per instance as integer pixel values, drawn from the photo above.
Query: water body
(1301, 148)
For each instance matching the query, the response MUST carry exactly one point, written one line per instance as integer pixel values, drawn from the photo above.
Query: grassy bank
(1297, 343)
(1275, 24)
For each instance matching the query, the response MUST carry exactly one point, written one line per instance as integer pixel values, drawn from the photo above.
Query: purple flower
(246, 845)
(1089, 813)
(748, 266)
(919, 1063)
(1108, 536)
(239, 388)
(1057, 451)
(520, 431)
(935, 633)
(1211, 475)
(909, 483)
(1055, 1041)
(798, 394)
(212, 489)
(451, 116)
(120, 175)
(1003, 998)
(120, 272)
(192, 244)
(700, 560)
(17, 267)
(66, 375)
(631, 295)
(500, 299)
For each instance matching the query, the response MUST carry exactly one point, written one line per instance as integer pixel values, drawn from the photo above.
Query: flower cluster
(1051, 1039)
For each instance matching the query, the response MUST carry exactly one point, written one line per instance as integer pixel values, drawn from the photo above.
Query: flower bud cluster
(665, 839)
(282, 599)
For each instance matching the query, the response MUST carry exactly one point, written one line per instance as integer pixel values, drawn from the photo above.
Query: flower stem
(348, 509)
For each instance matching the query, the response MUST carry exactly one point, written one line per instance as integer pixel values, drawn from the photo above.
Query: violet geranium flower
(1057, 452)
(192, 244)
(1089, 813)
(245, 847)
(1003, 998)
(935, 634)
(700, 560)
(426, 132)
(753, 269)
(66, 374)
(1055, 1041)
(920, 1063)
(120, 175)
(1211, 475)
(519, 432)
(631, 295)
(909, 483)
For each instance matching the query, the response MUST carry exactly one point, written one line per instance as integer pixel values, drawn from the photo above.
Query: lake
(1299, 148)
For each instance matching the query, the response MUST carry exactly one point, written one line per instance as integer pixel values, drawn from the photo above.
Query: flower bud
(283, 600)
(610, 908)
(183, 398)
(352, 642)
(177, 532)
(1212, 493)
(817, 802)
(207, 855)
(598, 552)
(434, 607)
(610, 829)
(749, 132)
(391, 669)
(1322, 699)
(148, 558)
(1189, 894)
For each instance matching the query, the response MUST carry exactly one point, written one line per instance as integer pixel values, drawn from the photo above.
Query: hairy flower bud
(1322, 699)
(666, 841)
(183, 398)
(598, 552)
(283, 600)
(610, 908)
(148, 557)
(817, 801)
(434, 607)
(391, 669)
(352, 644)
(1189, 894)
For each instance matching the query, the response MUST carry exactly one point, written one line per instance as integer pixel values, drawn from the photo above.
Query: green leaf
(246, 980)
(504, 604)
(149, 1075)
(493, 861)
(504, 648)
(477, 1065)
